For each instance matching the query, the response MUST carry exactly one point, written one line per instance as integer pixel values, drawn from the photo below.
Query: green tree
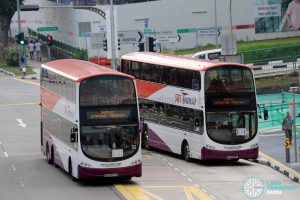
(7, 11)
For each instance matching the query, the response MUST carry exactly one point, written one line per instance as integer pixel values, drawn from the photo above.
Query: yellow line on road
(140, 193)
(14, 93)
(19, 104)
(28, 82)
(279, 164)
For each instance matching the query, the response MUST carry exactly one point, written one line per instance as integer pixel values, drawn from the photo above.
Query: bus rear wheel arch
(185, 151)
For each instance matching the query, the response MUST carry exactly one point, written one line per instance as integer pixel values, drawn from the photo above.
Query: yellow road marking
(14, 93)
(140, 192)
(279, 164)
(28, 82)
(19, 104)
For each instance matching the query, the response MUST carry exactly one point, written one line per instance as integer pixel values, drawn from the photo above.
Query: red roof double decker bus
(195, 108)
(90, 120)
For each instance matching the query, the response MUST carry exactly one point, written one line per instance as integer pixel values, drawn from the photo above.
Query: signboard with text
(276, 16)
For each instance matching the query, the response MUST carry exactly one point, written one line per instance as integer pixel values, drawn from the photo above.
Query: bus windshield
(231, 127)
(108, 118)
(107, 90)
(228, 79)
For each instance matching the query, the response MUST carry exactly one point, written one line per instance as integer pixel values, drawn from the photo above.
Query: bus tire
(52, 157)
(145, 141)
(70, 170)
(48, 155)
(185, 151)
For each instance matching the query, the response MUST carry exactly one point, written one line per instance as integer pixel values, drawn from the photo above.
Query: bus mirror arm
(74, 132)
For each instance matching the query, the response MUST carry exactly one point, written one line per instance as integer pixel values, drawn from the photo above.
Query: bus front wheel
(71, 171)
(186, 152)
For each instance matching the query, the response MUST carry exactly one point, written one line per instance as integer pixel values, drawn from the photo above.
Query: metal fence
(262, 56)
(277, 106)
(60, 49)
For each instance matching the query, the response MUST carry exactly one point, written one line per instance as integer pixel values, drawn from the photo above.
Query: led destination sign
(108, 114)
(230, 101)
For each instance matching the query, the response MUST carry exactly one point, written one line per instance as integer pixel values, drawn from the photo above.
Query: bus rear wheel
(48, 155)
(186, 152)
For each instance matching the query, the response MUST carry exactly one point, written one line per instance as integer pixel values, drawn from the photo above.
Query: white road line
(198, 186)
(212, 196)
(13, 168)
(22, 184)
(170, 164)
(176, 169)
(204, 190)
(183, 174)
(164, 160)
(5, 153)
(190, 180)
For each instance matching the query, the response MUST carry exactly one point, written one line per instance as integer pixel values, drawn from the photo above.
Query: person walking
(287, 125)
(31, 50)
(23, 64)
(38, 50)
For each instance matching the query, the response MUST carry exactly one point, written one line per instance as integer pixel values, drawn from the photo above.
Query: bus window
(164, 75)
(136, 70)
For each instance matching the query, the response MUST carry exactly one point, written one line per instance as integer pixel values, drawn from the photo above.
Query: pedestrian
(293, 15)
(287, 124)
(31, 50)
(23, 63)
(38, 50)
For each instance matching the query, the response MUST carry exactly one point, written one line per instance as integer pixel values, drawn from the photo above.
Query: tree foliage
(8, 8)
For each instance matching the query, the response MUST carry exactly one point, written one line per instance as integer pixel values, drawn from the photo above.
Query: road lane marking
(21, 123)
(141, 192)
(14, 93)
(5, 153)
(13, 168)
(279, 164)
(19, 104)
(28, 82)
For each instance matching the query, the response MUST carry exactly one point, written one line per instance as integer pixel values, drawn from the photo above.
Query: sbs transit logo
(253, 187)
(182, 97)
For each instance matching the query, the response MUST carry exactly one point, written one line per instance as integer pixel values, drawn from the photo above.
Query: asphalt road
(25, 174)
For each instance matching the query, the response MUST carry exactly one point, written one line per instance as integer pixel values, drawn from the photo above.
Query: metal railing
(263, 56)
(60, 49)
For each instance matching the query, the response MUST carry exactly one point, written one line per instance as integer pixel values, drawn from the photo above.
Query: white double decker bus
(89, 120)
(197, 108)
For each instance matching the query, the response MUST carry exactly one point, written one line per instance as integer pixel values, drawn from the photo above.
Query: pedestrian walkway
(273, 145)
(35, 66)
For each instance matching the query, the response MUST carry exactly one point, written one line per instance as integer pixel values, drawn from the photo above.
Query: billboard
(276, 15)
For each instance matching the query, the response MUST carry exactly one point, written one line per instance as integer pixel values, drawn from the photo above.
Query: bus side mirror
(74, 132)
(266, 114)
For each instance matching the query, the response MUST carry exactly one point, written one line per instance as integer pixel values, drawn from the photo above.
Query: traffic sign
(49, 28)
(208, 32)
(287, 143)
(168, 38)
(130, 37)
(97, 40)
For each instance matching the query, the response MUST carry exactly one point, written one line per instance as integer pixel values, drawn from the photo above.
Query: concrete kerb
(7, 72)
(280, 167)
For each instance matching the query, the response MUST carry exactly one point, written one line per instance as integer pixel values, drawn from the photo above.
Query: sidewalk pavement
(272, 148)
(35, 66)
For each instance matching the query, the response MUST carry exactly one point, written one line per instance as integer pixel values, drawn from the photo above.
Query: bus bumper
(209, 154)
(130, 171)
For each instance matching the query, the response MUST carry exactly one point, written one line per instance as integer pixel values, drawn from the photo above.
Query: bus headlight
(136, 162)
(83, 164)
(254, 146)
